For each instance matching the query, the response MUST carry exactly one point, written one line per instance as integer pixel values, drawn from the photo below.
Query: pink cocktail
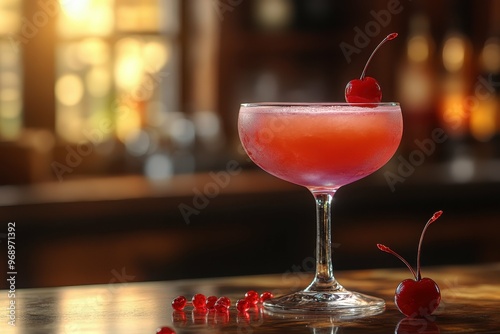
(321, 146)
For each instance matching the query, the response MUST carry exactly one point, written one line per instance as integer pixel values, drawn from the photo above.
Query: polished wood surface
(470, 304)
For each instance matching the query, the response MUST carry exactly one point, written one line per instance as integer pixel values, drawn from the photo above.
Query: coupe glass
(321, 146)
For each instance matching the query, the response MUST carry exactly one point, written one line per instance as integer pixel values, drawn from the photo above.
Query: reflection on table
(470, 304)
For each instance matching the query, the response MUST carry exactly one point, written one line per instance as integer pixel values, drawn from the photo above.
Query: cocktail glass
(321, 146)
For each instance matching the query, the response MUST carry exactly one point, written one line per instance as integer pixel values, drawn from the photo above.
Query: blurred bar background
(119, 150)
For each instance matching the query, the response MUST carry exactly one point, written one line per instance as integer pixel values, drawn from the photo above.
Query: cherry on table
(366, 89)
(418, 297)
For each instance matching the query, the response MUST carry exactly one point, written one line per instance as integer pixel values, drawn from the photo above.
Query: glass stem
(324, 279)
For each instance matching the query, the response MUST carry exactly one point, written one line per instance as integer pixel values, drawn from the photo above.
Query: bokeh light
(158, 167)
(69, 89)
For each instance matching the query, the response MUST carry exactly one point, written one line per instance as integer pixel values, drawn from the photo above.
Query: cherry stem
(390, 251)
(388, 38)
(434, 217)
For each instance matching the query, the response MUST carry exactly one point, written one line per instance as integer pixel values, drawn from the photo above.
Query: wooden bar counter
(470, 304)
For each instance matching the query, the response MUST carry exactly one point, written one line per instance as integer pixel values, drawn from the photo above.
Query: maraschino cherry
(366, 89)
(417, 297)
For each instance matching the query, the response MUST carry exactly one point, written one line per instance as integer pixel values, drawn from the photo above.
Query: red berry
(221, 307)
(223, 301)
(265, 296)
(252, 297)
(199, 301)
(242, 305)
(211, 302)
(179, 303)
(366, 89)
(417, 297)
(165, 330)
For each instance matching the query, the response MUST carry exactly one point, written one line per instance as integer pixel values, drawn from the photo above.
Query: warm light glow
(10, 106)
(76, 10)
(273, 14)
(10, 79)
(139, 16)
(86, 303)
(155, 56)
(418, 49)
(9, 21)
(129, 69)
(9, 96)
(93, 51)
(86, 17)
(128, 122)
(98, 82)
(416, 88)
(70, 124)
(107, 73)
(454, 54)
(129, 73)
(10, 71)
(454, 114)
(69, 90)
(483, 120)
(69, 58)
(490, 55)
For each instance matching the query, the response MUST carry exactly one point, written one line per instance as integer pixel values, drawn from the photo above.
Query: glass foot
(339, 304)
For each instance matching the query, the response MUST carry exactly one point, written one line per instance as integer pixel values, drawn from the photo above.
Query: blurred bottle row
(153, 87)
